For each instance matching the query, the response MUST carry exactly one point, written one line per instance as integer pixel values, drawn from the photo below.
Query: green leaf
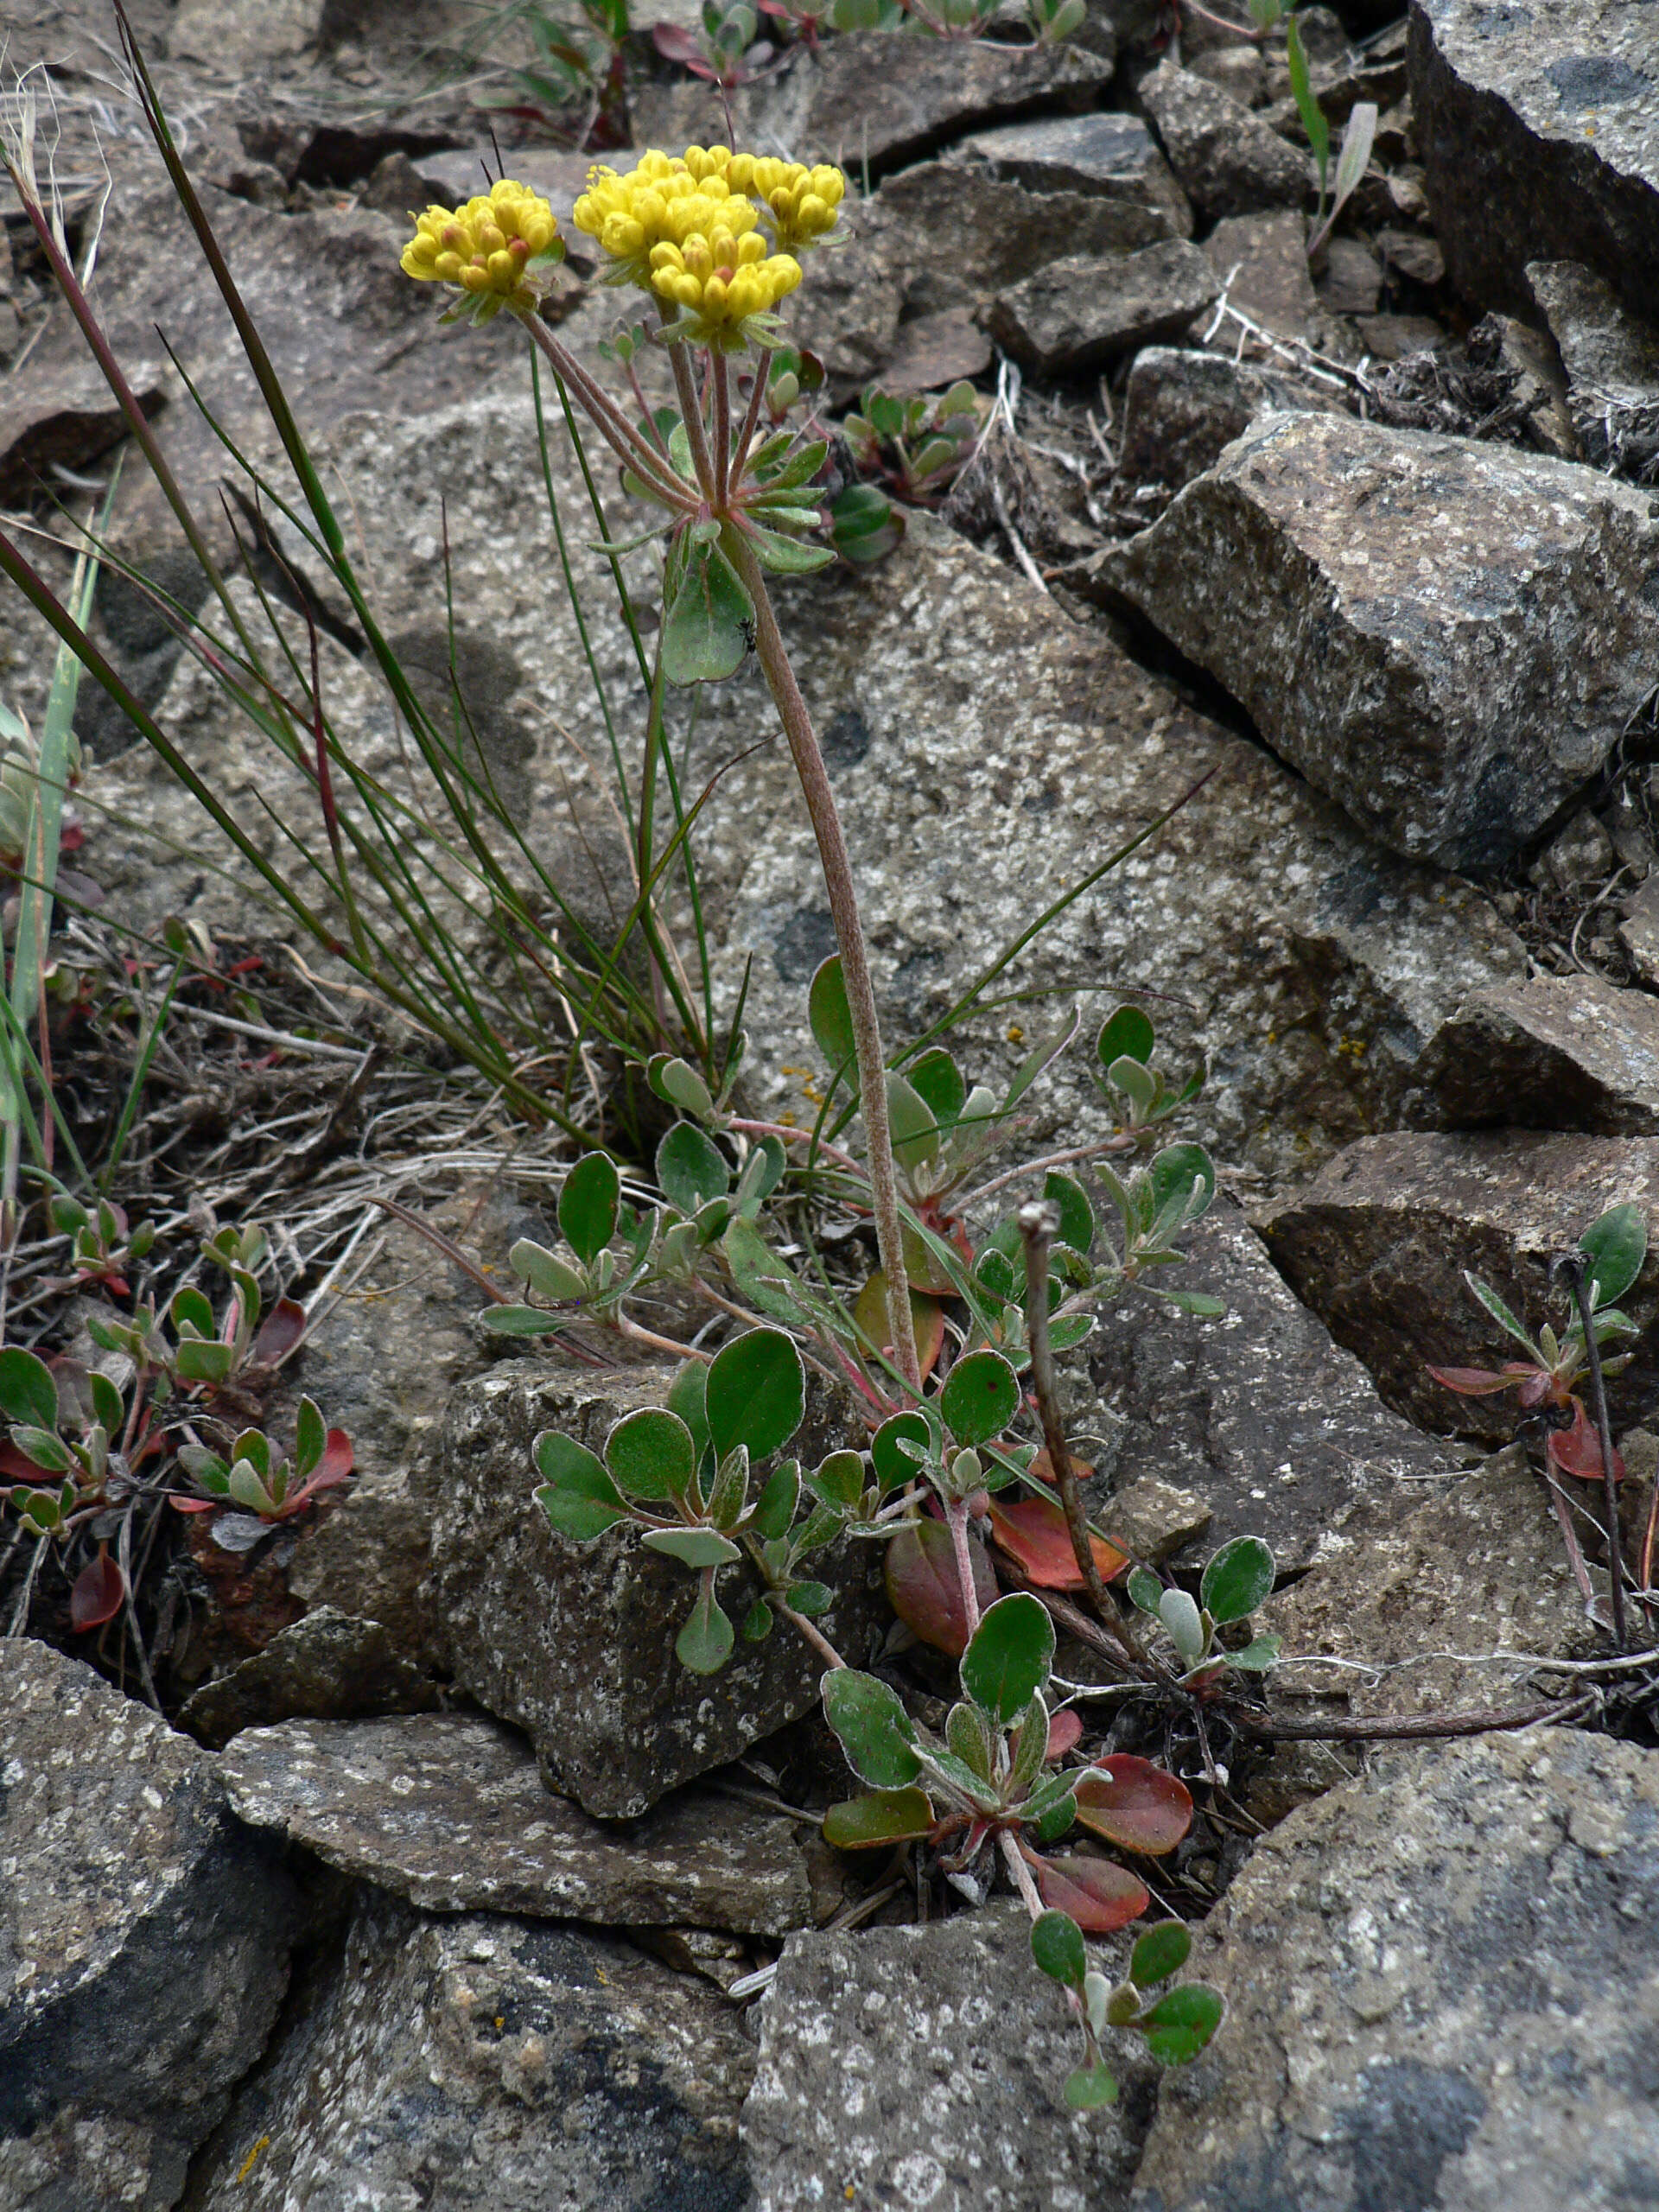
(831, 1019)
(705, 634)
(44, 1446)
(587, 1206)
(809, 1597)
(1127, 1035)
(1301, 87)
(28, 1393)
(913, 1125)
(937, 1082)
(581, 1501)
(1090, 2088)
(1056, 1817)
(894, 1468)
(679, 1083)
(651, 1454)
(980, 1398)
(546, 1273)
(1180, 1616)
(691, 1170)
(1499, 1312)
(788, 557)
(1160, 1952)
(1146, 1591)
(839, 1479)
(1181, 2022)
(1615, 1246)
(687, 1398)
(1359, 135)
(310, 1437)
(107, 1407)
(519, 1321)
(1198, 1303)
(1255, 1658)
(191, 1309)
(200, 1362)
(704, 1644)
(969, 1735)
(1056, 1945)
(1008, 1659)
(1238, 1579)
(1077, 1215)
(865, 524)
(756, 1393)
(776, 1508)
(885, 1816)
(874, 1730)
(758, 1622)
(1065, 1335)
(1183, 1172)
(693, 1548)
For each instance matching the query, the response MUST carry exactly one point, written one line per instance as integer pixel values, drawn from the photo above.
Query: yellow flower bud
(486, 244)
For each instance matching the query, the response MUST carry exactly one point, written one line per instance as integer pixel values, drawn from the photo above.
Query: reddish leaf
(926, 1319)
(1577, 1451)
(1473, 1382)
(196, 1504)
(922, 1586)
(1033, 1531)
(1063, 1731)
(677, 45)
(15, 1467)
(1099, 1895)
(1133, 1803)
(337, 1461)
(279, 1332)
(99, 1593)
(882, 1816)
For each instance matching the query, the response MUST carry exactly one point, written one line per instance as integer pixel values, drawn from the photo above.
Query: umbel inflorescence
(715, 237)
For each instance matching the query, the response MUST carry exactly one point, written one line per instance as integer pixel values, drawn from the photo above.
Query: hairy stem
(757, 401)
(1022, 1881)
(685, 385)
(854, 960)
(956, 1516)
(722, 429)
(1573, 1268)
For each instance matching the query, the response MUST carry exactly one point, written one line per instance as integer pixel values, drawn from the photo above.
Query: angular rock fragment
(1639, 931)
(1182, 408)
(1443, 1991)
(869, 98)
(1260, 264)
(1612, 365)
(574, 1643)
(1536, 130)
(1415, 1594)
(1378, 1242)
(451, 1812)
(68, 420)
(144, 1937)
(925, 2066)
(329, 1665)
(1555, 1052)
(1259, 1414)
(1102, 155)
(1448, 637)
(1074, 314)
(1228, 161)
(488, 2064)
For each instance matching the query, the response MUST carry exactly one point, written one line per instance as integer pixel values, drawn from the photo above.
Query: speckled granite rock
(1377, 1244)
(486, 2064)
(1448, 637)
(1443, 1988)
(1075, 314)
(1612, 360)
(1181, 409)
(1259, 1414)
(1408, 1583)
(1555, 1052)
(144, 1937)
(1229, 161)
(1102, 155)
(451, 1813)
(923, 2067)
(1539, 129)
(328, 1664)
(574, 1643)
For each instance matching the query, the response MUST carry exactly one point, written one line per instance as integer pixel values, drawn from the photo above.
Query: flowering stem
(757, 400)
(722, 429)
(624, 441)
(955, 1515)
(691, 415)
(773, 657)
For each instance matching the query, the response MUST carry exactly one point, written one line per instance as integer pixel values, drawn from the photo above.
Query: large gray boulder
(574, 1643)
(1443, 1991)
(144, 1937)
(923, 2066)
(1448, 637)
(481, 2064)
(1378, 1243)
(1536, 130)
(451, 1811)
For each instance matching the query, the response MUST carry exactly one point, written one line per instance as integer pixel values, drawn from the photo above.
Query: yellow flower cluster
(485, 246)
(689, 228)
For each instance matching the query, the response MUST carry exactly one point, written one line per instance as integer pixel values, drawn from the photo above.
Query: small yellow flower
(664, 201)
(485, 247)
(803, 204)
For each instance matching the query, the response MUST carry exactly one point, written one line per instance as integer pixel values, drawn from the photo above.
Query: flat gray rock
(1443, 1992)
(1539, 133)
(144, 1937)
(451, 1812)
(574, 1643)
(1075, 314)
(1448, 637)
(1276, 1429)
(328, 1665)
(1378, 1242)
(1555, 1052)
(486, 2064)
(923, 2066)
(1182, 408)
(1102, 155)
(1227, 159)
